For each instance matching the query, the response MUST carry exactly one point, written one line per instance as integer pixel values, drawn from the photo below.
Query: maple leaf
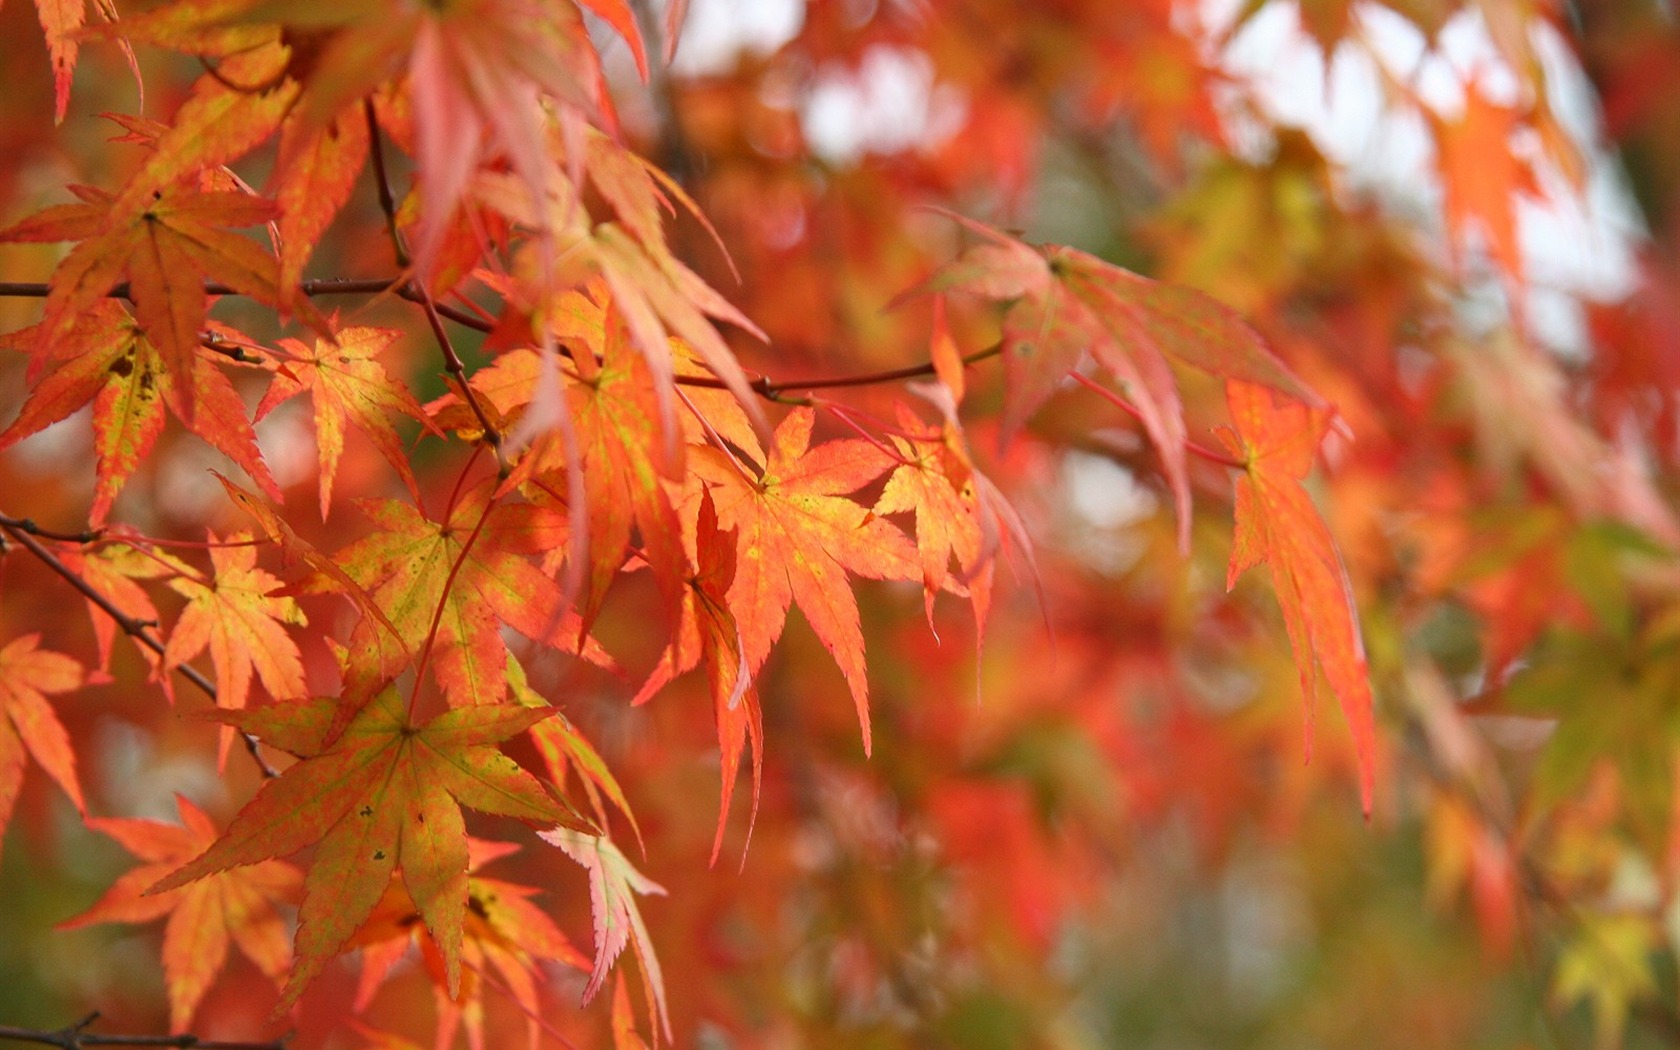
(384, 795)
(318, 167)
(105, 358)
(707, 634)
(625, 1036)
(1607, 963)
(614, 884)
(28, 725)
(243, 624)
(113, 573)
(798, 538)
(1063, 304)
(476, 70)
(655, 293)
(935, 482)
(229, 112)
(165, 247)
(347, 384)
(463, 578)
(61, 21)
(563, 749)
(504, 930)
(1278, 524)
(1481, 177)
(615, 432)
(1328, 22)
(235, 906)
(295, 548)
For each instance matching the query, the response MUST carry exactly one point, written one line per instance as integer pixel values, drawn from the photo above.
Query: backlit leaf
(1278, 524)
(798, 539)
(237, 617)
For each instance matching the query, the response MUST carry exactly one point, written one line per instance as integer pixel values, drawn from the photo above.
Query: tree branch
(458, 371)
(77, 1037)
(764, 386)
(136, 629)
(28, 525)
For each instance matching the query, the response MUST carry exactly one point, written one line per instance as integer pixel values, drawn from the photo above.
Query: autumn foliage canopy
(931, 523)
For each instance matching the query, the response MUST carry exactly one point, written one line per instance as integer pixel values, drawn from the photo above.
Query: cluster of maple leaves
(603, 442)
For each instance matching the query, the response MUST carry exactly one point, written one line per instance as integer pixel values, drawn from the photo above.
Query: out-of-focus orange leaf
(1482, 177)
(235, 906)
(29, 727)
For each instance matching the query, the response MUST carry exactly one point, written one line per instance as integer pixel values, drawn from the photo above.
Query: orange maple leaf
(61, 21)
(707, 634)
(477, 71)
(203, 917)
(318, 168)
(1482, 178)
(386, 794)
(655, 294)
(1062, 304)
(1278, 524)
(503, 930)
(105, 358)
(347, 384)
(615, 438)
(165, 247)
(798, 538)
(564, 749)
(28, 725)
(936, 483)
(113, 572)
(236, 616)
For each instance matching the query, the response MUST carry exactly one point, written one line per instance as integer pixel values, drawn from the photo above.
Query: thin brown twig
(28, 525)
(458, 371)
(139, 630)
(77, 1037)
(382, 183)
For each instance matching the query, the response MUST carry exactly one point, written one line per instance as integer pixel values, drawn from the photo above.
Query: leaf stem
(1210, 454)
(443, 602)
(136, 629)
